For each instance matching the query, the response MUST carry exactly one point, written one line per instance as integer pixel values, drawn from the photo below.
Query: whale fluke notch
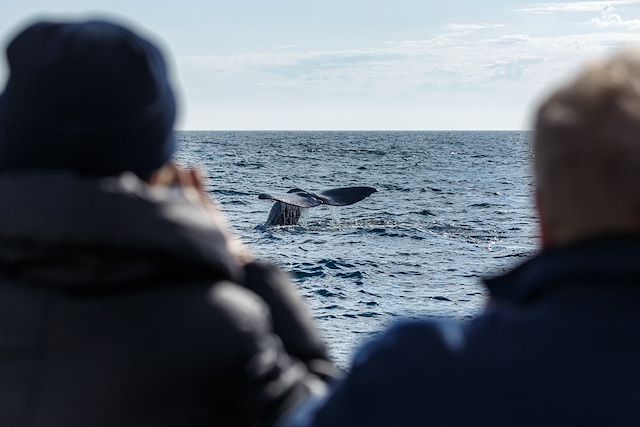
(287, 207)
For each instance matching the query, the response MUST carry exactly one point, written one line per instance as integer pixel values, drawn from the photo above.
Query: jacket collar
(604, 261)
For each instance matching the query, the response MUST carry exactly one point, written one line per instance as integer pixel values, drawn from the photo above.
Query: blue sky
(355, 64)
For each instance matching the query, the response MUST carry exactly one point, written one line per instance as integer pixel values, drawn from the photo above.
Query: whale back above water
(287, 207)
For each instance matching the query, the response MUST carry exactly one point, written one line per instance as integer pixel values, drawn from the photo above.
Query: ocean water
(451, 208)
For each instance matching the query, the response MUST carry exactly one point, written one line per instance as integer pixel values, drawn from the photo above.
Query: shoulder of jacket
(415, 339)
(240, 306)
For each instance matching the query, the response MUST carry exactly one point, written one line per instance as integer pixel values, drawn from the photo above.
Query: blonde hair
(587, 152)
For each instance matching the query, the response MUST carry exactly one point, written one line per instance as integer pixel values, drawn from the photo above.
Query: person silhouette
(124, 299)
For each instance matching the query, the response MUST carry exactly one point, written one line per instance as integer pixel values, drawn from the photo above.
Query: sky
(359, 64)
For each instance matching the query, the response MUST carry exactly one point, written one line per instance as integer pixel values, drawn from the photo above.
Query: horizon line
(353, 130)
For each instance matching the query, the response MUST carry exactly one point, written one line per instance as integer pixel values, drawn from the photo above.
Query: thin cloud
(445, 62)
(471, 27)
(609, 19)
(579, 6)
(473, 69)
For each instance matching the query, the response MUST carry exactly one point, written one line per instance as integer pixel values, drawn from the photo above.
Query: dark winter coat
(559, 345)
(121, 305)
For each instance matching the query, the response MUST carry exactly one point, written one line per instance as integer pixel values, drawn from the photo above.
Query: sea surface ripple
(451, 208)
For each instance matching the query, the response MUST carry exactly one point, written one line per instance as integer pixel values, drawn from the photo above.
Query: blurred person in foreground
(559, 342)
(123, 299)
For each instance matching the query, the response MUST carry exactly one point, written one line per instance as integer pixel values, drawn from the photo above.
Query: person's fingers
(183, 177)
(163, 176)
(191, 183)
(198, 180)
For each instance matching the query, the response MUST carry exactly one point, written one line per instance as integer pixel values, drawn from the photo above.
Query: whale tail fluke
(333, 197)
(286, 210)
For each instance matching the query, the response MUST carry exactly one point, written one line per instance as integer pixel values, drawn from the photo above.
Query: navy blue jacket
(558, 345)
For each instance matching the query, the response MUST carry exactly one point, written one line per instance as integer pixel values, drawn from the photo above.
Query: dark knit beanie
(88, 97)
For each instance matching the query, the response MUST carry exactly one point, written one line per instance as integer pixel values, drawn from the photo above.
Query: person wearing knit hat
(89, 97)
(124, 302)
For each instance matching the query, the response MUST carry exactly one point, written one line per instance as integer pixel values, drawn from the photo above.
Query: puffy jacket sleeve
(264, 381)
(292, 322)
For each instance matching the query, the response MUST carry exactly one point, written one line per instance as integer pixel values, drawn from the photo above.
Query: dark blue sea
(451, 208)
